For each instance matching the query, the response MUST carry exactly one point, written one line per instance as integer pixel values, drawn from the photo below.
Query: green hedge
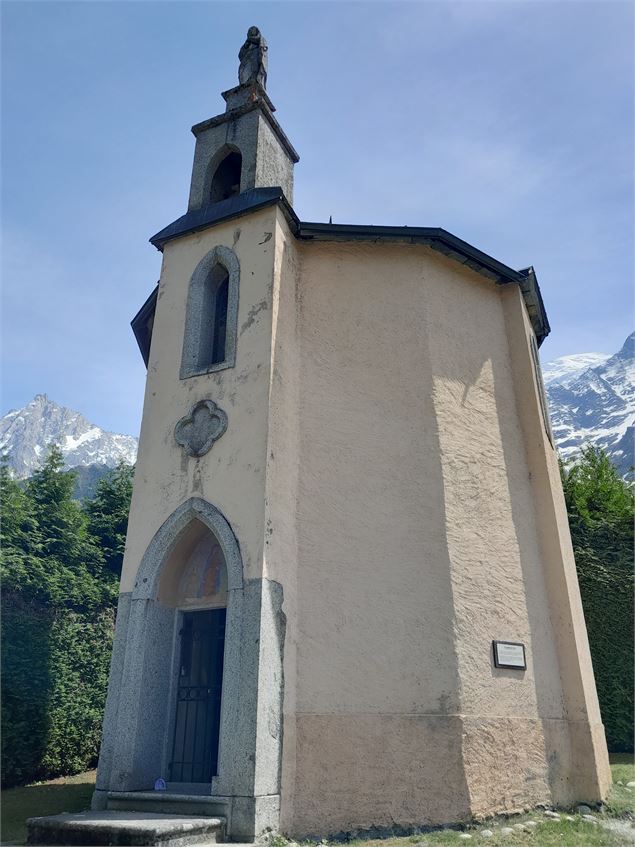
(607, 598)
(55, 665)
(601, 511)
(60, 562)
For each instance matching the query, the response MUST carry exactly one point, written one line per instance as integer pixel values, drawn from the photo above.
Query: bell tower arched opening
(226, 179)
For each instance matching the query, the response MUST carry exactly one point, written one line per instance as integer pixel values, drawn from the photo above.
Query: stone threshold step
(166, 802)
(164, 795)
(142, 829)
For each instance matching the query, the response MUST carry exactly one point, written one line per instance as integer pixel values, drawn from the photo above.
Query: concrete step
(166, 802)
(126, 828)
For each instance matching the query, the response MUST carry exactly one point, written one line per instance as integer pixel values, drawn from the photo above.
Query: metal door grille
(198, 700)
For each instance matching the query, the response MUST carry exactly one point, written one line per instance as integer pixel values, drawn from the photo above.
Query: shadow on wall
(573, 771)
(551, 711)
(498, 588)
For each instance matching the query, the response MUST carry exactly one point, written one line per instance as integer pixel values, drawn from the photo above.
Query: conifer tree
(61, 522)
(51, 558)
(20, 532)
(108, 514)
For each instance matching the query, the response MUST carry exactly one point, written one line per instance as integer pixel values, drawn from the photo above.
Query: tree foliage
(601, 510)
(108, 514)
(600, 506)
(48, 554)
(60, 561)
(55, 674)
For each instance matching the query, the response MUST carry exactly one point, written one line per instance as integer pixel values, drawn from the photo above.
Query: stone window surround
(219, 255)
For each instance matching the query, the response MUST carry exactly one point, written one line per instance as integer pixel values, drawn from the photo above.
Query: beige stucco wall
(585, 773)
(418, 542)
(232, 475)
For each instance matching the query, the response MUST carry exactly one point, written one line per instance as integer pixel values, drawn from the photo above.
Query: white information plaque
(509, 654)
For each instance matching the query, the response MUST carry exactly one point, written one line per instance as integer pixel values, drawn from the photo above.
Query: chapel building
(349, 599)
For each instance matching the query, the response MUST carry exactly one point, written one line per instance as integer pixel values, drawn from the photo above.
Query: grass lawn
(65, 794)
(620, 801)
(547, 834)
(73, 793)
(622, 766)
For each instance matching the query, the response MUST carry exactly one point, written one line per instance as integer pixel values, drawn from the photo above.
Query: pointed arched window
(213, 341)
(209, 343)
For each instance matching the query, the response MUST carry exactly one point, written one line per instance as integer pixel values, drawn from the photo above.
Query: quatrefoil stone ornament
(197, 432)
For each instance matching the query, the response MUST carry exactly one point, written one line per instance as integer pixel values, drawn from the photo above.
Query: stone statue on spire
(253, 59)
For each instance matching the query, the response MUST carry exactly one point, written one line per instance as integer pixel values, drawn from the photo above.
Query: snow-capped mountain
(596, 405)
(565, 369)
(26, 435)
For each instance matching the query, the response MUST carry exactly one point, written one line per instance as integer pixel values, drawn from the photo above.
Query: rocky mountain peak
(594, 404)
(627, 351)
(26, 435)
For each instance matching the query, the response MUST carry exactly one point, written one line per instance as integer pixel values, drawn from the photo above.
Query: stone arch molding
(167, 536)
(194, 317)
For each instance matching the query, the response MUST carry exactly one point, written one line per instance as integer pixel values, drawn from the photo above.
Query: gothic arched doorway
(194, 582)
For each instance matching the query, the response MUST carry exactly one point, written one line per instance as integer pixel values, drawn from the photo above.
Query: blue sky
(508, 123)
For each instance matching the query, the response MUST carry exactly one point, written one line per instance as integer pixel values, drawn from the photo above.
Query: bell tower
(207, 726)
(245, 147)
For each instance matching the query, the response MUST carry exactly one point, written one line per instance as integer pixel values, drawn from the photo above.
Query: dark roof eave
(139, 321)
(435, 237)
(234, 207)
(532, 296)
